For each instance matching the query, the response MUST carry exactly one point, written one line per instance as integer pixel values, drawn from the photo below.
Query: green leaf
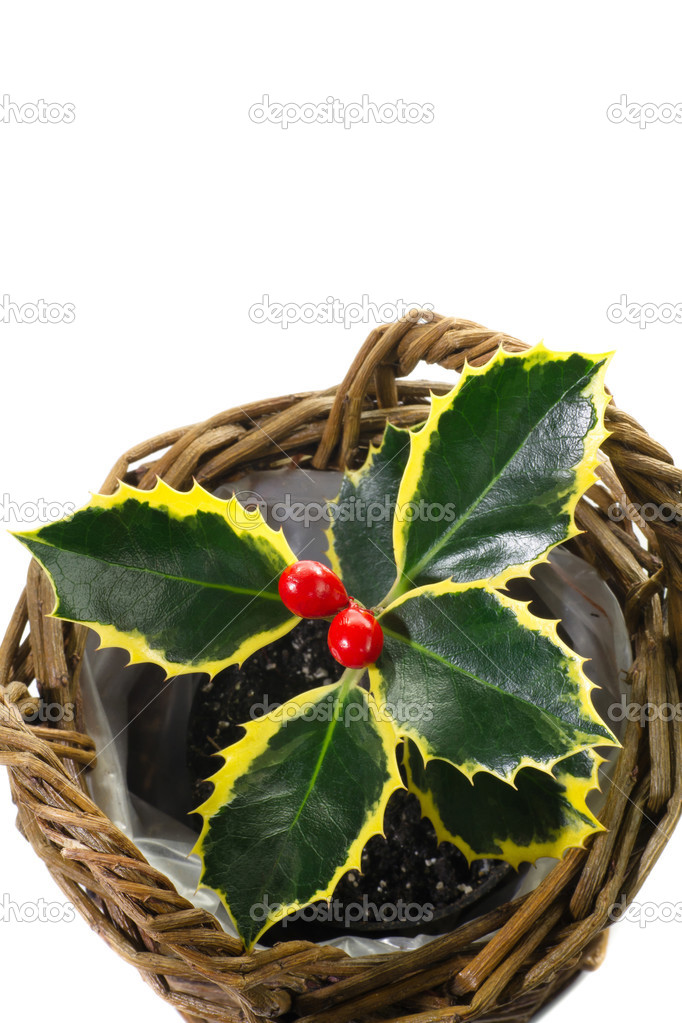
(294, 804)
(360, 536)
(542, 815)
(184, 580)
(508, 454)
(474, 678)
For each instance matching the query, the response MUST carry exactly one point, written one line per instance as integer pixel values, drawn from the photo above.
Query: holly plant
(488, 709)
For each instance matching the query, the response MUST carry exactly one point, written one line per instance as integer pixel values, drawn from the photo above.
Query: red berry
(355, 637)
(311, 590)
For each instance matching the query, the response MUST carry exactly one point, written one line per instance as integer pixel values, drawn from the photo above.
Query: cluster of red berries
(311, 590)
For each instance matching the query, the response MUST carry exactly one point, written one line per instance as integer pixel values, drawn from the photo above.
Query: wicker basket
(541, 941)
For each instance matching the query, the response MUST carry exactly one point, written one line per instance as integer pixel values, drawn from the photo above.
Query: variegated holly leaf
(543, 814)
(508, 453)
(184, 580)
(294, 804)
(361, 533)
(472, 677)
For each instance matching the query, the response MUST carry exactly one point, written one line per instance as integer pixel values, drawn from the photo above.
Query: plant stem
(349, 680)
(400, 586)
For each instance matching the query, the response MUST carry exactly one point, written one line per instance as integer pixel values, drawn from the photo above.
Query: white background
(163, 213)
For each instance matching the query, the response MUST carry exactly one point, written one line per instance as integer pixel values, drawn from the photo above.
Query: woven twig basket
(540, 942)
